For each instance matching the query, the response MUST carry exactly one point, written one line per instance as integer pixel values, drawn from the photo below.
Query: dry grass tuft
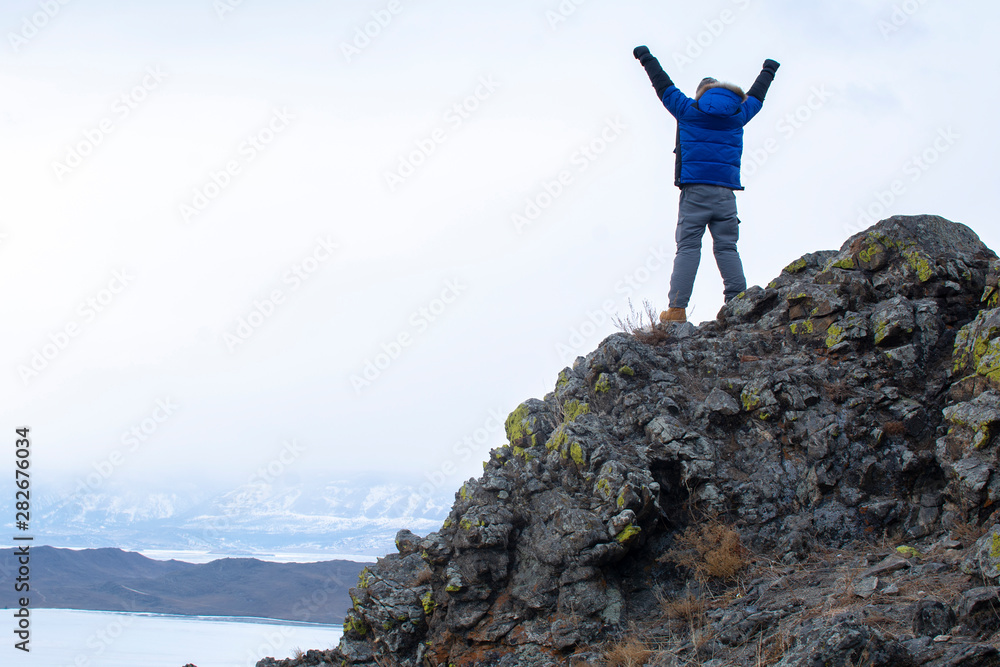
(688, 608)
(629, 652)
(968, 533)
(709, 551)
(645, 326)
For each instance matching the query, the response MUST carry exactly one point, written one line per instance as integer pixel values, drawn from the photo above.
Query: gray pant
(714, 207)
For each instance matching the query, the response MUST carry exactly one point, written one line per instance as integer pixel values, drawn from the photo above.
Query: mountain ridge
(109, 579)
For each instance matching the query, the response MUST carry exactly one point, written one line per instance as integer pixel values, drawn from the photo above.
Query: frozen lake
(69, 638)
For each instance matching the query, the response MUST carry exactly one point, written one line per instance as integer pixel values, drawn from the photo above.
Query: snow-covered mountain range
(358, 516)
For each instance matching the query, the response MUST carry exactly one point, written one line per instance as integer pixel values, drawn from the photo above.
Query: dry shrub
(709, 551)
(629, 652)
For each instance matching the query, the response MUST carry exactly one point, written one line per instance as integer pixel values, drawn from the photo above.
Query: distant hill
(116, 580)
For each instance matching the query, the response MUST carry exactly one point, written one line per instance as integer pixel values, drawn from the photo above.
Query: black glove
(764, 79)
(660, 80)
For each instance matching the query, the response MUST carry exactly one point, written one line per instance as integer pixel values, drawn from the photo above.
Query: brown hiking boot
(673, 315)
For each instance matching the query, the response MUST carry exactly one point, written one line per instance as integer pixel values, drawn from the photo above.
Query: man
(707, 170)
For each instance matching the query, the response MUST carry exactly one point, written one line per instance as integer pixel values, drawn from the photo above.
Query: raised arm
(657, 76)
(764, 79)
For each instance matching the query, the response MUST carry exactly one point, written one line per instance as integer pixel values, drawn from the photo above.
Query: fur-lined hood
(719, 98)
(732, 87)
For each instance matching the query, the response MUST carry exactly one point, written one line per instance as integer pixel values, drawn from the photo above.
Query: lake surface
(70, 638)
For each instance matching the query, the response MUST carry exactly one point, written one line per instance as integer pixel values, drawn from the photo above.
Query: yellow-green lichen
(801, 328)
(834, 335)
(557, 439)
(355, 625)
(846, 263)
(628, 534)
(453, 588)
(562, 381)
(751, 400)
(427, 600)
(523, 453)
(363, 578)
(603, 384)
(517, 426)
(576, 453)
(870, 252)
(796, 266)
(626, 370)
(447, 523)
(573, 409)
(604, 487)
(920, 263)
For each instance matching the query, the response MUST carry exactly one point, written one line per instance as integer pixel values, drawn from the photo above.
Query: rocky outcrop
(855, 400)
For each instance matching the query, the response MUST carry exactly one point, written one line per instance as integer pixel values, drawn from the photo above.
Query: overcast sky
(353, 236)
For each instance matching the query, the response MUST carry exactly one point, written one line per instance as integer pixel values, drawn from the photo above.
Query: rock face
(853, 400)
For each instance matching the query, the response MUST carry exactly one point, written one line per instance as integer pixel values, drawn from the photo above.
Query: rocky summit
(810, 479)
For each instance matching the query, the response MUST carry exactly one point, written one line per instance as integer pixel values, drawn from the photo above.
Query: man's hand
(771, 65)
(639, 52)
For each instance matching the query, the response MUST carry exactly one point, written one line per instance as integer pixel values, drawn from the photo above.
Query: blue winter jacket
(709, 130)
(710, 135)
